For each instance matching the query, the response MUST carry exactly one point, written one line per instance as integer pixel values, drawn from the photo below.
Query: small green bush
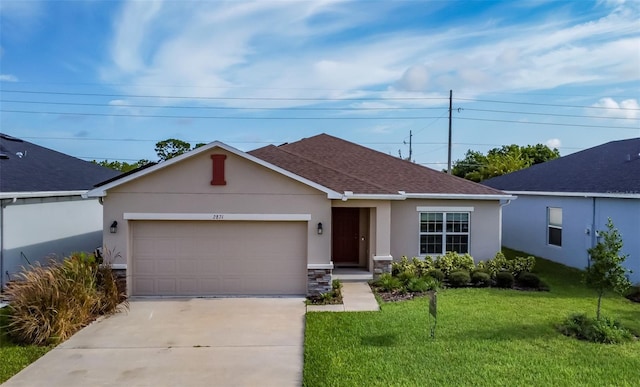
(422, 266)
(504, 279)
(604, 330)
(480, 279)
(453, 261)
(388, 283)
(402, 266)
(514, 266)
(436, 274)
(417, 285)
(336, 284)
(406, 276)
(459, 278)
(529, 280)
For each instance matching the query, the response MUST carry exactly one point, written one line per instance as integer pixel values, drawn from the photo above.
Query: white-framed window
(442, 231)
(554, 226)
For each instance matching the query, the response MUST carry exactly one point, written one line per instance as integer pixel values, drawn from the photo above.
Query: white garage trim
(216, 216)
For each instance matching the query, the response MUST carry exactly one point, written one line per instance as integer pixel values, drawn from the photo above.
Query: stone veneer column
(381, 264)
(319, 278)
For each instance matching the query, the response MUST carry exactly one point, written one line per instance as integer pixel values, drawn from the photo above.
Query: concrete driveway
(181, 342)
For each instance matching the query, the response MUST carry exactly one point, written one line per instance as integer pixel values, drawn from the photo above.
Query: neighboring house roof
(345, 166)
(342, 170)
(27, 167)
(611, 168)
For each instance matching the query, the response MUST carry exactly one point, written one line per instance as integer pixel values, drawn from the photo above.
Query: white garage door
(193, 258)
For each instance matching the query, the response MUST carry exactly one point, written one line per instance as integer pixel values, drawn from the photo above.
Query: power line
(211, 117)
(225, 98)
(551, 114)
(305, 118)
(543, 104)
(217, 107)
(546, 123)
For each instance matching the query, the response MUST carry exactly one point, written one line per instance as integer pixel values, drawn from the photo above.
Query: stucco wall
(484, 234)
(525, 227)
(44, 227)
(251, 189)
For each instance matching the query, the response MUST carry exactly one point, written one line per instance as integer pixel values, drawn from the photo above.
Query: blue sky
(108, 79)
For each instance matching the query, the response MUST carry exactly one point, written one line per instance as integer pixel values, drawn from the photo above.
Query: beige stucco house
(279, 219)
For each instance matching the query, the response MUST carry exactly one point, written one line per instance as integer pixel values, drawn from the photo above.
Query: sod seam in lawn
(484, 337)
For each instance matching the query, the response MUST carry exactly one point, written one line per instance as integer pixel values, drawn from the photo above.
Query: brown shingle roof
(344, 166)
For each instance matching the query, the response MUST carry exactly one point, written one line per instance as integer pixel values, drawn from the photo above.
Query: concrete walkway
(356, 297)
(181, 342)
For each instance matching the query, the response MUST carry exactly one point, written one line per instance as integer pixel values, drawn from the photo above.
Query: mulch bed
(396, 296)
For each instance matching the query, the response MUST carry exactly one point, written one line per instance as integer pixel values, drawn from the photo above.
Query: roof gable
(345, 166)
(102, 188)
(611, 168)
(27, 167)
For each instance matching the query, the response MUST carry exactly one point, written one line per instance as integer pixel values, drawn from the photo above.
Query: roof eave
(460, 196)
(41, 194)
(612, 195)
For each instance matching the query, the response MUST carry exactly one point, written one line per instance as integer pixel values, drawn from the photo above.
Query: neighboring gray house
(278, 219)
(564, 202)
(42, 212)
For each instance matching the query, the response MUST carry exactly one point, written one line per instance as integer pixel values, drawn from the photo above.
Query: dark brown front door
(345, 226)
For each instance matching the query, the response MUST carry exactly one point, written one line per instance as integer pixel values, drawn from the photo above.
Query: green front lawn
(484, 337)
(13, 358)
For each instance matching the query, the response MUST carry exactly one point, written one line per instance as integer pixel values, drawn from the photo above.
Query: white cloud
(279, 49)
(8, 78)
(628, 108)
(553, 143)
(415, 78)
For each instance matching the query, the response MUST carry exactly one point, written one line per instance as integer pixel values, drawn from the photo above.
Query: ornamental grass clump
(50, 303)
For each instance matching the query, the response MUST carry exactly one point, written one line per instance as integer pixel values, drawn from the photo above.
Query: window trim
(444, 211)
(550, 226)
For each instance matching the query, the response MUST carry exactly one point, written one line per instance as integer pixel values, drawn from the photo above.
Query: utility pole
(450, 112)
(410, 145)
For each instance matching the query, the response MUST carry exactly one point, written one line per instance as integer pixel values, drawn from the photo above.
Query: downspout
(594, 232)
(1, 244)
(502, 205)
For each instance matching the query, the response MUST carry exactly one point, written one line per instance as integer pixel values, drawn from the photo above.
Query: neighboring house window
(444, 231)
(554, 226)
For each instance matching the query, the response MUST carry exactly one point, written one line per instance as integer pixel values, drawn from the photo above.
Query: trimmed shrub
(49, 304)
(480, 279)
(417, 285)
(422, 266)
(504, 279)
(463, 262)
(402, 266)
(459, 278)
(436, 274)
(529, 280)
(514, 266)
(388, 283)
(604, 330)
(336, 284)
(444, 263)
(453, 261)
(406, 276)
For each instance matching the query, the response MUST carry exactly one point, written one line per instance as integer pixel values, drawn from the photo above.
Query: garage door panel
(218, 258)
